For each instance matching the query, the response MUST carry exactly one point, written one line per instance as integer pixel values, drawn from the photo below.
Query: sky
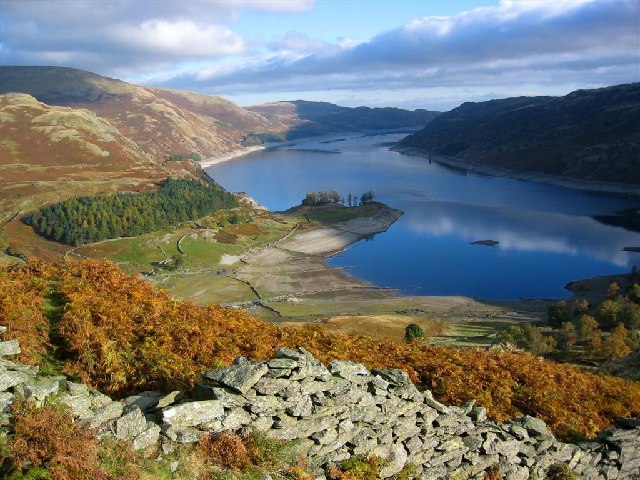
(432, 54)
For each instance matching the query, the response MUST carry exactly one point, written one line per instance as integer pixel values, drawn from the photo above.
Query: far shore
(211, 161)
(484, 169)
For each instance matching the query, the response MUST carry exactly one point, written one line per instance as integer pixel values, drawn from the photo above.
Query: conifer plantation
(87, 219)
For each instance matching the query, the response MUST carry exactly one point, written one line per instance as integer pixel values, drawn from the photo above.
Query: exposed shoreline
(483, 169)
(211, 161)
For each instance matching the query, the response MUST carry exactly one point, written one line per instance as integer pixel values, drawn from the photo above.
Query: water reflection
(548, 235)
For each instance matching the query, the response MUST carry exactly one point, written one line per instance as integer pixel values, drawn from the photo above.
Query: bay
(548, 235)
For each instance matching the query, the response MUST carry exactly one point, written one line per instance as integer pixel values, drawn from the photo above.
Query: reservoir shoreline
(484, 169)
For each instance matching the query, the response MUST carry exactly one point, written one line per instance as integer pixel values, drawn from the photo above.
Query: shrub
(413, 332)
(46, 438)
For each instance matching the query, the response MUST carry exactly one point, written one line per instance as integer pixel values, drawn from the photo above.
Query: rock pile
(334, 413)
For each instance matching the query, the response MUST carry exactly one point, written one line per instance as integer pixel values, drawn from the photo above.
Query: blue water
(547, 234)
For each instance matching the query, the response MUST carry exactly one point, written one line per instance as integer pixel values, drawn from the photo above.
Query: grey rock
(433, 403)
(395, 377)
(145, 401)
(193, 413)
(380, 383)
(478, 414)
(289, 428)
(9, 347)
(354, 372)
(299, 406)
(266, 405)
(534, 426)
(105, 414)
(236, 418)
(11, 378)
(262, 424)
(76, 388)
(238, 377)
(18, 367)
(41, 387)
(169, 399)
(184, 434)
(395, 461)
(131, 424)
(271, 386)
(6, 399)
(3, 329)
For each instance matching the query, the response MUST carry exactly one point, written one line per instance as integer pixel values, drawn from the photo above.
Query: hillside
(49, 152)
(161, 122)
(306, 119)
(588, 134)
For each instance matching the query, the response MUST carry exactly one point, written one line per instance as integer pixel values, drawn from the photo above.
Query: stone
(354, 372)
(395, 377)
(6, 399)
(3, 329)
(147, 438)
(236, 418)
(266, 405)
(478, 414)
(41, 387)
(380, 383)
(271, 386)
(169, 399)
(192, 413)
(394, 461)
(299, 406)
(9, 347)
(11, 378)
(431, 402)
(238, 377)
(289, 428)
(184, 434)
(534, 426)
(131, 424)
(105, 414)
(145, 401)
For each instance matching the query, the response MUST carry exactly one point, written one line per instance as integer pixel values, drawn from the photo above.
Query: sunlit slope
(48, 153)
(161, 122)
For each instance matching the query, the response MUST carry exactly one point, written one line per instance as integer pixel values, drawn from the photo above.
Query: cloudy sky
(431, 54)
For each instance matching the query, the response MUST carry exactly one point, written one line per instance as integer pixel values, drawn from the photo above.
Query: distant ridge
(306, 119)
(589, 135)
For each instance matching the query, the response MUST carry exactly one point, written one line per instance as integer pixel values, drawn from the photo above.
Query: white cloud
(126, 36)
(542, 42)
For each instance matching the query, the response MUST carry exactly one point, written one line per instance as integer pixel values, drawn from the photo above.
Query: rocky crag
(333, 413)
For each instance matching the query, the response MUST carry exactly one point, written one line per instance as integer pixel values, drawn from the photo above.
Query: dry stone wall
(333, 413)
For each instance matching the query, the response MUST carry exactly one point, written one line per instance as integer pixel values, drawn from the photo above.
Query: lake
(548, 234)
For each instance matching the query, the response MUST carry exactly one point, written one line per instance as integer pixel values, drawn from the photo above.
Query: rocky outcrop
(335, 412)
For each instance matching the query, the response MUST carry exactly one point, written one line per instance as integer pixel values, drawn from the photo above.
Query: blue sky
(406, 53)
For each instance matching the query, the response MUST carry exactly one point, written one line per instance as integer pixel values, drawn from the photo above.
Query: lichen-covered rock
(12, 378)
(9, 347)
(238, 377)
(147, 438)
(131, 424)
(192, 414)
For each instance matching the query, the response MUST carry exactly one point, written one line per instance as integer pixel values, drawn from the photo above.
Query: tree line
(86, 219)
(314, 199)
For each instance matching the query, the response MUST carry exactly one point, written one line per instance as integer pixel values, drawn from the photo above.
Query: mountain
(305, 119)
(160, 121)
(588, 134)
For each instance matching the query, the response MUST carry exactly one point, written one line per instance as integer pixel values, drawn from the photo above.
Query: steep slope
(161, 122)
(588, 134)
(317, 118)
(50, 153)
